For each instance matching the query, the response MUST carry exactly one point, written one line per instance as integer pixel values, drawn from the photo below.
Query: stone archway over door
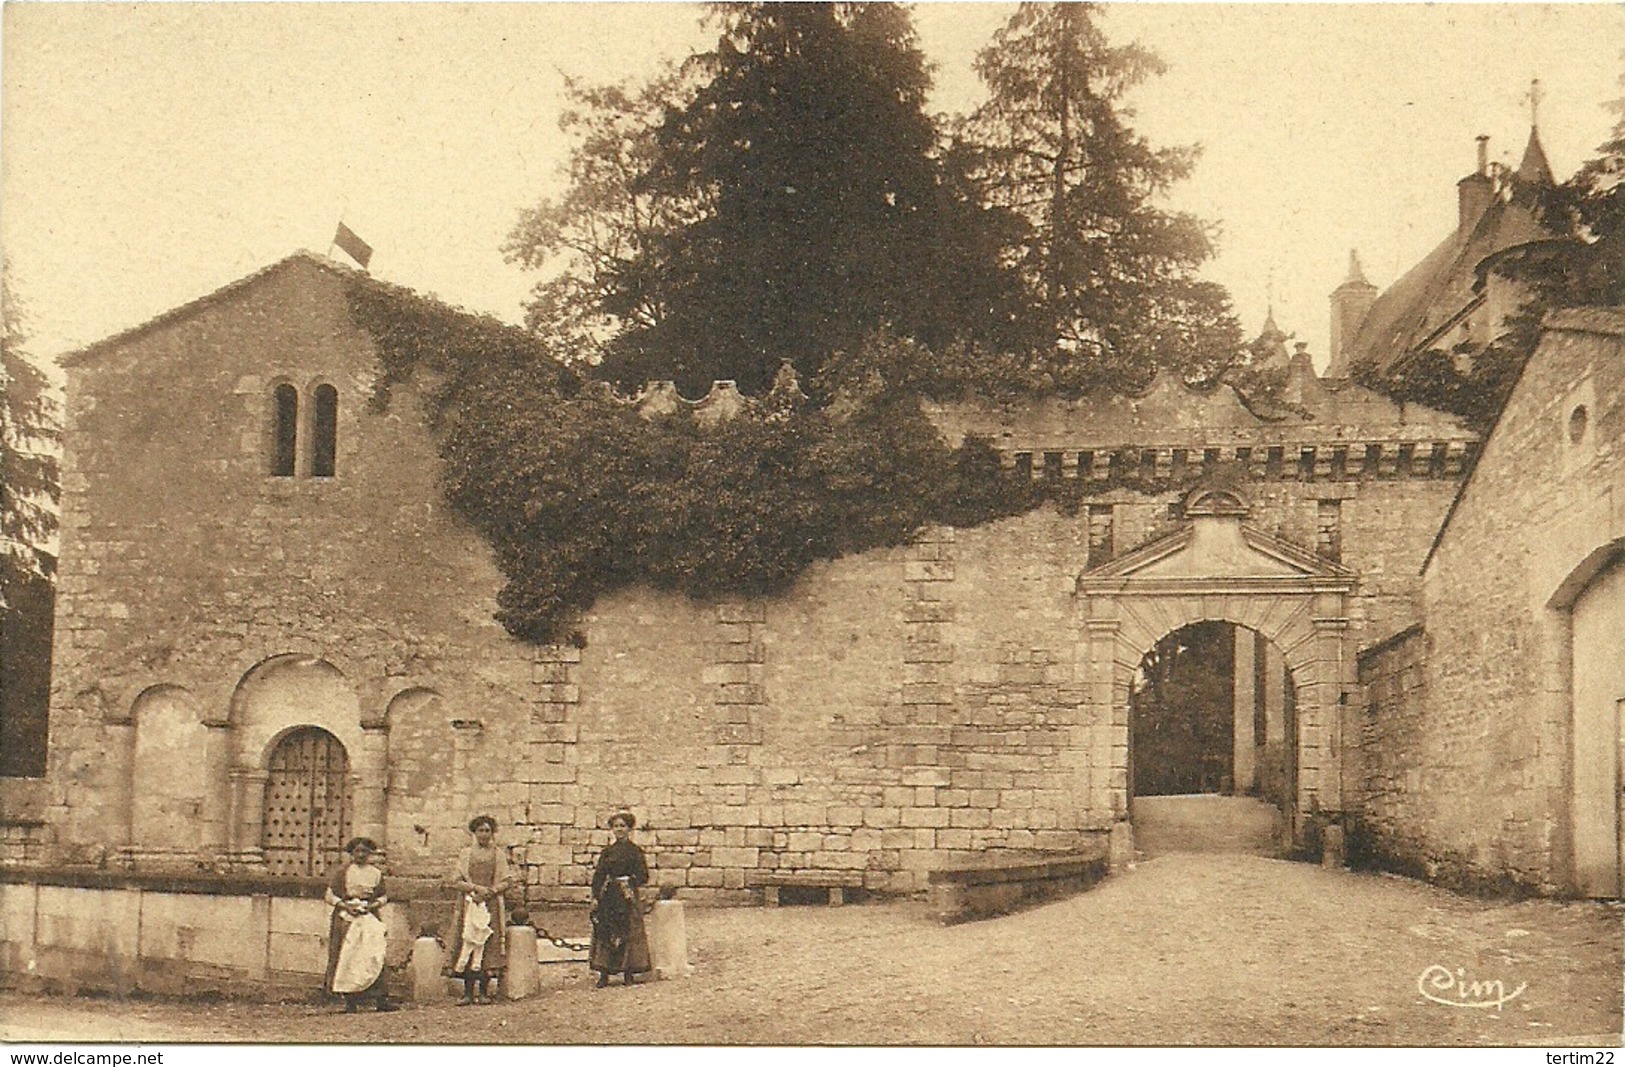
(1216, 567)
(288, 692)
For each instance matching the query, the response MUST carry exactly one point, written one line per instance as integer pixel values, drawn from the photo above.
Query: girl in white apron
(355, 936)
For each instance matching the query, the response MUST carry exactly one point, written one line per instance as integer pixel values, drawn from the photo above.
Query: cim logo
(1452, 989)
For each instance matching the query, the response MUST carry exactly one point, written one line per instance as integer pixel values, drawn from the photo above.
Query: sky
(150, 153)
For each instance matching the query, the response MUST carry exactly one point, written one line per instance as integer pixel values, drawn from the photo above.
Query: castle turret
(1269, 348)
(1350, 302)
(1533, 178)
(1534, 170)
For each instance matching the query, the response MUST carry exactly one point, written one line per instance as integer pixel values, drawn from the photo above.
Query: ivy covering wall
(579, 495)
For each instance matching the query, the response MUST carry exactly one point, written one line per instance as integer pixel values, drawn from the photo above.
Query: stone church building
(272, 633)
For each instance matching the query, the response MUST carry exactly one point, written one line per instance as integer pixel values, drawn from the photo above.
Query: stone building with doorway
(1493, 732)
(272, 633)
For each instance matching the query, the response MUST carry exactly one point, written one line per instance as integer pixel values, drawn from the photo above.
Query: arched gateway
(1217, 567)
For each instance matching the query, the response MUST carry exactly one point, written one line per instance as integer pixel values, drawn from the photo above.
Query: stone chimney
(1350, 303)
(1474, 192)
(1300, 375)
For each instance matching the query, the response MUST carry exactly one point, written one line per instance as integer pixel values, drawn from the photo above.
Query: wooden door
(307, 804)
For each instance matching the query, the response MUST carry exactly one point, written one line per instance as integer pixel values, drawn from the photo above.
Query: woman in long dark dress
(619, 945)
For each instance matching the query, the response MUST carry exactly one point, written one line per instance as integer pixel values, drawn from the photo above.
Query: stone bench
(998, 887)
(836, 882)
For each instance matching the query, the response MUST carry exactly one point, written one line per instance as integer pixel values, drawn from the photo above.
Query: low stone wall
(72, 931)
(24, 835)
(961, 894)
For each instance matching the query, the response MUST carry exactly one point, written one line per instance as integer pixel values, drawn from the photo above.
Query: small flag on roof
(353, 246)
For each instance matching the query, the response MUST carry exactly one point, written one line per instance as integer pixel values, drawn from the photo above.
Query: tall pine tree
(1110, 276)
(28, 496)
(793, 201)
(28, 443)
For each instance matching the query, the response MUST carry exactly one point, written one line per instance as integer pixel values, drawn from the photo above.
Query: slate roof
(1430, 296)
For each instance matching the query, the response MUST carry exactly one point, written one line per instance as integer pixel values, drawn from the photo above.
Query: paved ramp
(1205, 823)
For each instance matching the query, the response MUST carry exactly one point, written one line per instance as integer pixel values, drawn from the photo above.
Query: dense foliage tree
(28, 496)
(28, 442)
(1110, 276)
(781, 199)
(578, 494)
(25, 674)
(604, 238)
(1183, 712)
(789, 200)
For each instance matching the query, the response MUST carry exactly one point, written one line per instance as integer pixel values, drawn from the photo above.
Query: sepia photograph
(811, 524)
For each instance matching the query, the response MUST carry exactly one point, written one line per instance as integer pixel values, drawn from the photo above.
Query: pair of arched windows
(320, 442)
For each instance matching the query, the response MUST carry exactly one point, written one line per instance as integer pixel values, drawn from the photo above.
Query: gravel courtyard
(1183, 949)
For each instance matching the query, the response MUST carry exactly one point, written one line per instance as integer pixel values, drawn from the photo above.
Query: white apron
(361, 957)
(476, 932)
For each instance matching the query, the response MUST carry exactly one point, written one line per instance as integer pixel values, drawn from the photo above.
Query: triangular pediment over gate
(1221, 549)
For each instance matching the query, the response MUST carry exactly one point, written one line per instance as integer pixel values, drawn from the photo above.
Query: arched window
(324, 435)
(284, 430)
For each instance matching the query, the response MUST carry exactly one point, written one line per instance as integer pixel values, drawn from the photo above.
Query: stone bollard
(1331, 847)
(1120, 847)
(668, 940)
(428, 984)
(523, 978)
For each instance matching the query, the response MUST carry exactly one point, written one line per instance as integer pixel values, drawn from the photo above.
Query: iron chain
(562, 942)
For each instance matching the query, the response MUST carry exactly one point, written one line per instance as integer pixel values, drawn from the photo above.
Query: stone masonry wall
(1393, 777)
(895, 712)
(185, 564)
(1478, 781)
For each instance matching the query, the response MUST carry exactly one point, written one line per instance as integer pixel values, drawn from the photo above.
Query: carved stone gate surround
(1219, 568)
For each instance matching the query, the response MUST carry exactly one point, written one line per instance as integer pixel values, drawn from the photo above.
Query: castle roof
(1356, 278)
(1431, 296)
(1271, 332)
(1534, 170)
(1269, 348)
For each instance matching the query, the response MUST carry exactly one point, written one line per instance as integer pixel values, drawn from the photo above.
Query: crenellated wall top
(1309, 411)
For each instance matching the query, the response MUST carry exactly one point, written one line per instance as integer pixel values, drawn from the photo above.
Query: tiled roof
(1429, 296)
